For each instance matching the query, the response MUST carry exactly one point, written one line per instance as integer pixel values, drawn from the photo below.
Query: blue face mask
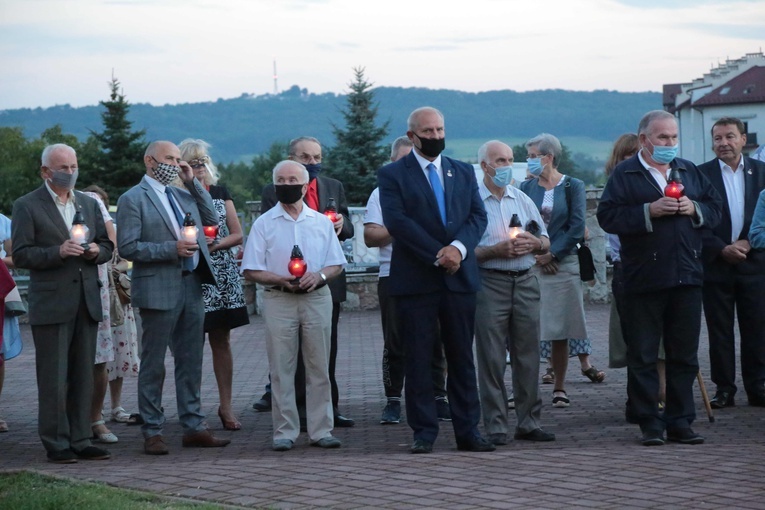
(664, 155)
(502, 176)
(534, 166)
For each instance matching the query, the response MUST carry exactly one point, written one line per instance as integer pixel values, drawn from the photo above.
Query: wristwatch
(323, 277)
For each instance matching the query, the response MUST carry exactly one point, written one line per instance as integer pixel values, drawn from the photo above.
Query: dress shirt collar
(154, 183)
(56, 199)
(305, 212)
(485, 192)
(740, 166)
(424, 162)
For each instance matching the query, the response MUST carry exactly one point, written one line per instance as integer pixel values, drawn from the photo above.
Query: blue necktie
(438, 189)
(188, 262)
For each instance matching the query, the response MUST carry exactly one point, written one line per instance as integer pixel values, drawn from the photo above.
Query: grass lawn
(30, 491)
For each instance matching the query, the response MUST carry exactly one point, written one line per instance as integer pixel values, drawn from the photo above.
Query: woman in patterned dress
(225, 308)
(104, 345)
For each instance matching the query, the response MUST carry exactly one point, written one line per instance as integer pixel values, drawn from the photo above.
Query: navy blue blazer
(715, 267)
(410, 213)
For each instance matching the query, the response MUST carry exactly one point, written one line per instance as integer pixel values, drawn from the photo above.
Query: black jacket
(657, 253)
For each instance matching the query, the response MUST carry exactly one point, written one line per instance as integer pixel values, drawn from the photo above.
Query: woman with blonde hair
(225, 307)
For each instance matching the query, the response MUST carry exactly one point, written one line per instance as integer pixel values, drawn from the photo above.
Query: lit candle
(331, 210)
(211, 231)
(297, 265)
(189, 230)
(79, 230)
(515, 226)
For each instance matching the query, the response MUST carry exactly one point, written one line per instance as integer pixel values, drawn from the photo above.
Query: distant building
(733, 89)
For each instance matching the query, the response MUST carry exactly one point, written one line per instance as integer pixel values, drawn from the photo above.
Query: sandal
(594, 375)
(120, 415)
(549, 376)
(106, 437)
(560, 400)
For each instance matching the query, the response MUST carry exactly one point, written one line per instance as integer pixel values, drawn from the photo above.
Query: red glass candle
(331, 210)
(210, 231)
(675, 188)
(297, 266)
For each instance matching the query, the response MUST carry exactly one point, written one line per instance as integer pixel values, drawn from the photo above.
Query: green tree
(118, 165)
(20, 171)
(359, 152)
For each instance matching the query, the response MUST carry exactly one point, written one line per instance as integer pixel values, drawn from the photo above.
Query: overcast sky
(177, 51)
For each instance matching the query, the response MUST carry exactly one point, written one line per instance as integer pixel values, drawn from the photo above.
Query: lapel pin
(449, 173)
(749, 171)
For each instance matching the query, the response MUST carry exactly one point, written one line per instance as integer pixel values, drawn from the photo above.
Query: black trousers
(744, 296)
(393, 359)
(674, 313)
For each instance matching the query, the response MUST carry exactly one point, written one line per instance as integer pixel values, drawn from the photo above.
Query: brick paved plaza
(596, 462)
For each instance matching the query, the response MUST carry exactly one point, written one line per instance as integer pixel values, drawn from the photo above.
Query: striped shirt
(499, 215)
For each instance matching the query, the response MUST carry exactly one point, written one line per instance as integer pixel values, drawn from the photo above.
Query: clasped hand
(667, 206)
(70, 248)
(450, 258)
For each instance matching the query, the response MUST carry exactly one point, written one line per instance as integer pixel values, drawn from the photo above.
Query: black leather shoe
(535, 435)
(62, 457)
(757, 399)
(92, 453)
(652, 438)
(475, 444)
(421, 446)
(264, 404)
(342, 421)
(684, 436)
(722, 399)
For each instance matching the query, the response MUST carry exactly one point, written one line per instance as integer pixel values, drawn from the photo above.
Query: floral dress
(104, 345)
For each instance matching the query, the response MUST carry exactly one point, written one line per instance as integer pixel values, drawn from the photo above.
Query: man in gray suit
(168, 272)
(64, 301)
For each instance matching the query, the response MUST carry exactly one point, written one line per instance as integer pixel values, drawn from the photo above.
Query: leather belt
(512, 274)
(289, 290)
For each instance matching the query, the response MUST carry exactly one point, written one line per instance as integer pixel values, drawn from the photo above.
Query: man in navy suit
(734, 274)
(431, 206)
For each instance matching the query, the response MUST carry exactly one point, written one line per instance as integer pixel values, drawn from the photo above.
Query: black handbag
(586, 263)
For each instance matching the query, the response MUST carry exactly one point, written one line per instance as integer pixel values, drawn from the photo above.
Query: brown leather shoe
(204, 439)
(155, 445)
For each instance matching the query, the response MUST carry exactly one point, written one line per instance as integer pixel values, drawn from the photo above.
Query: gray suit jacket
(38, 230)
(145, 235)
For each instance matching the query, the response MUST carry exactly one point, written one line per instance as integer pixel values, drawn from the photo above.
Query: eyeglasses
(534, 156)
(307, 158)
(199, 162)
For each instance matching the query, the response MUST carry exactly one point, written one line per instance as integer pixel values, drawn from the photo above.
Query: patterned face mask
(164, 172)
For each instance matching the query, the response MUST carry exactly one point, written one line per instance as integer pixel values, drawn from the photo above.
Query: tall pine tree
(358, 153)
(118, 166)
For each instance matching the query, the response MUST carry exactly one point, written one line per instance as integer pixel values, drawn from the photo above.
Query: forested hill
(249, 124)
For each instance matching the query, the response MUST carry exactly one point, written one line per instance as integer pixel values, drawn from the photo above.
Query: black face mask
(432, 147)
(289, 193)
(313, 170)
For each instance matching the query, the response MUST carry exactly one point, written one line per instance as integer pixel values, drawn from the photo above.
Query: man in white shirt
(292, 305)
(734, 274)
(507, 307)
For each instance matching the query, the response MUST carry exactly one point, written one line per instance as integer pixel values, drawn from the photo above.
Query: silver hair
(484, 149)
(410, 122)
(295, 141)
(547, 144)
(286, 162)
(196, 148)
(651, 116)
(50, 149)
(401, 141)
